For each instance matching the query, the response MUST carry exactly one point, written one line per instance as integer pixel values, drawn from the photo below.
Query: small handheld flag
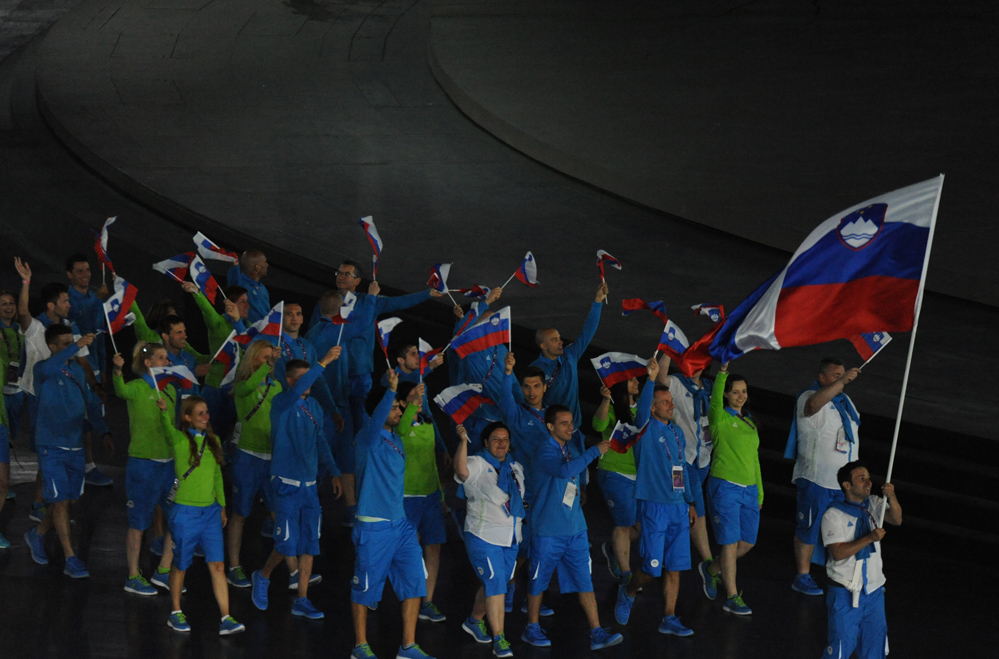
(209, 250)
(460, 401)
(634, 304)
(475, 292)
(438, 279)
(179, 376)
(673, 341)
(101, 244)
(385, 328)
(228, 355)
(116, 307)
(715, 312)
(268, 327)
(603, 258)
(625, 435)
(368, 224)
(527, 272)
(204, 279)
(427, 354)
(492, 331)
(870, 344)
(614, 367)
(175, 267)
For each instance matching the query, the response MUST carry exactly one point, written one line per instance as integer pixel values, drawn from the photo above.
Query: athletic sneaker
(672, 625)
(75, 568)
(37, 513)
(303, 607)
(429, 611)
(156, 546)
(230, 626)
(737, 606)
(267, 528)
(236, 576)
(545, 611)
(97, 478)
(601, 638)
(508, 606)
(412, 652)
(314, 578)
(259, 594)
(622, 610)
(534, 635)
(178, 621)
(612, 562)
(501, 647)
(36, 545)
(162, 579)
(710, 581)
(804, 584)
(139, 586)
(362, 651)
(477, 628)
(4, 542)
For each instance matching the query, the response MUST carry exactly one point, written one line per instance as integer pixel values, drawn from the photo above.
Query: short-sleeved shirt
(487, 517)
(822, 445)
(838, 526)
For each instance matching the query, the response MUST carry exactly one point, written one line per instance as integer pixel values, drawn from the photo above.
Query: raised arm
(576, 350)
(389, 304)
(893, 513)
(644, 411)
(819, 399)
(24, 318)
(461, 454)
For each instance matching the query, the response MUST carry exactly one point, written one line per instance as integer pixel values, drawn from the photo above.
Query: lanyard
(558, 365)
(567, 454)
(308, 413)
(395, 448)
(491, 364)
(666, 444)
(260, 402)
(287, 347)
(533, 411)
(201, 453)
(69, 375)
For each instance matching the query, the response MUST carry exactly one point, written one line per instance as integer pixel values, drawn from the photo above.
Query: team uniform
(820, 444)
(324, 335)
(691, 415)
(256, 293)
(422, 490)
(36, 350)
(862, 629)
(86, 311)
(251, 464)
(616, 475)
(384, 539)
(12, 362)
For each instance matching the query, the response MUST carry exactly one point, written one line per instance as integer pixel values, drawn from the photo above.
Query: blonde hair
(144, 350)
(245, 368)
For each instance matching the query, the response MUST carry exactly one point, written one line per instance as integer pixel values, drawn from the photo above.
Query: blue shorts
(387, 550)
(191, 526)
(427, 516)
(619, 492)
(250, 476)
(570, 554)
(813, 500)
(342, 443)
(4, 445)
(63, 471)
(494, 564)
(665, 539)
(697, 477)
(524, 548)
(147, 485)
(863, 629)
(735, 511)
(298, 518)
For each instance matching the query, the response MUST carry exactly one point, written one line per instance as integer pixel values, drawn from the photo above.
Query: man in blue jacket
(65, 405)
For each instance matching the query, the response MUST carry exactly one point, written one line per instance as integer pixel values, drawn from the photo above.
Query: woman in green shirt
(616, 474)
(149, 474)
(197, 515)
(735, 488)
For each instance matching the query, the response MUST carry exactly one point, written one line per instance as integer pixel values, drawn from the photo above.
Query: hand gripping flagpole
(912, 343)
(876, 353)
(110, 333)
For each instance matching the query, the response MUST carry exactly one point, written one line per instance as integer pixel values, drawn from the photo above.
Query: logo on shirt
(654, 563)
(130, 504)
(610, 503)
(356, 581)
(849, 524)
(481, 571)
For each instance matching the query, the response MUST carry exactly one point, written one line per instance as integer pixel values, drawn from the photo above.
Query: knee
(217, 566)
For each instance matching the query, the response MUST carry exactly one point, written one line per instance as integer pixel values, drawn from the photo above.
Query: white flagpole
(448, 291)
(912, 342)
(876, 353)
(510, 279)
(110, 333)
(339, 336)
(374, 267)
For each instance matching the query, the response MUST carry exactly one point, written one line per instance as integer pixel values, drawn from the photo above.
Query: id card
(12, 368)
(237, 430)
(677, 478)
(570, 494)
(842, 445)
(704, 422)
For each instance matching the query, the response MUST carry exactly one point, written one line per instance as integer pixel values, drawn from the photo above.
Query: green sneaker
(737, 606)
(501, 647)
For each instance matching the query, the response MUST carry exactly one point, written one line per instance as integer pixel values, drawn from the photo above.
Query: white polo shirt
(838, 526)
(486, 515)
(822, 444)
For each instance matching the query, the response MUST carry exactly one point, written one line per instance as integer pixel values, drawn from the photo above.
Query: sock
(161, 570)
(406, 647)
(224, 618)
(91, 466)
(177, 611)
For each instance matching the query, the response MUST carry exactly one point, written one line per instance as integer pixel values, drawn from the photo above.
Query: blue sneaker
(672, 625)
(139, 586)
(501, 647)
(362, 651)
(267, 528)
(75, 568)
(36, 545)
(534, 635)
(710, 581)
(412, 652)
(508, 606)
(236, 577)
(737, 606)
(804, 584)
(230, 626)
(4, 542)
(314, 578)
(477, 628)
(98, 478)
(545, 612)
(178, 621)
(429, 611)
(162, 579)
(37, 513)
(622, 610)
(259, 594)
(612, 562)
(601, 638)
(303, 607)
(156, 546)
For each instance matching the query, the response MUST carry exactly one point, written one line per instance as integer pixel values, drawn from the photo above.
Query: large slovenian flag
(204, 279)
(614, 367)
(101, 243)
(179, 376)
(870, 344)
(673, 341)
(860, 271)
(631, 305)
(268, 327)
(625, 435)
(460, 401)
(117, 306)
(368, 224)
(427, 354)
(604, 258)
(493, 330)
(209, 250)
(528, 271)
(715, 312)
(228, 355)
(438, 276)
(175, 267)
